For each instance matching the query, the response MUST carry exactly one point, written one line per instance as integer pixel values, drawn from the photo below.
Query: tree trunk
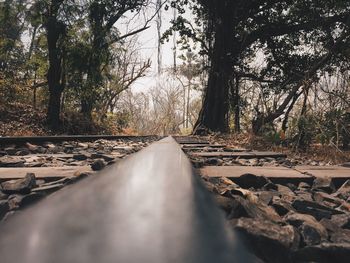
(184, 108)
(236, 100)
(54, 82)
(286, 115)
(345, 131)
(34, 91)
(302, 123)
(54, 31)
(53, 112)
(214, 113)
(188, 104)
(98, 51)
(86, 108)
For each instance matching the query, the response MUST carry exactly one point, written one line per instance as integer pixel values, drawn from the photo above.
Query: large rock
(312, 232)
(311, 235)
(266, 196)
(285, 190)
(222, 185)
(323, 184)
(324, 253)
(80, 157)
(31, 147)
(251, 180)
(315, 209)
(252, 208)
(281, 206)
(22, 186)
(269, 241)
(297, 219)
(98, 165)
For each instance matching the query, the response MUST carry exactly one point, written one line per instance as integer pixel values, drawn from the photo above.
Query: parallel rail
(149, 208)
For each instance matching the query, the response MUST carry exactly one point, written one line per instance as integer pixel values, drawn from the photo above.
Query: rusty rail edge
(60, 138)
(149, 208)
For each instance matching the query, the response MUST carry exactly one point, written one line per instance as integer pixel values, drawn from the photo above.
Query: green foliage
(11, 50)
(330, 127)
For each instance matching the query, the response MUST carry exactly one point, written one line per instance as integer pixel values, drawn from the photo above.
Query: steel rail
(60, 138)
(150, 207)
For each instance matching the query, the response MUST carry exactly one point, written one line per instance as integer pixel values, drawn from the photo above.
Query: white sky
(148, 42)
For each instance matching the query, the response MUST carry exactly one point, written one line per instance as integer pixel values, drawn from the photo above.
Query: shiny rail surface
(149, 208)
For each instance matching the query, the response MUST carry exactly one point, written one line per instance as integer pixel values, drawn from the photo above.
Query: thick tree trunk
(214, 113)
(54, 31)
(98, 51)
(54, 109)
(54, 82)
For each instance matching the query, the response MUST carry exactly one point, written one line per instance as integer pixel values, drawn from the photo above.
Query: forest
(275, 69)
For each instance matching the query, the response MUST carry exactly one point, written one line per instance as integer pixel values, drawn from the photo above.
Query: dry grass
(23, 120)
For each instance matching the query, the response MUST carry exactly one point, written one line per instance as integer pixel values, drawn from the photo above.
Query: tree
(80, 37)
(11, 48)
(103, 15)
(127, 68)
(232, 32)
(189, 70)
(55, 33)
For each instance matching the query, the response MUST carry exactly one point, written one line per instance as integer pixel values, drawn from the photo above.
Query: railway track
(146, 208)
(148, 204)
